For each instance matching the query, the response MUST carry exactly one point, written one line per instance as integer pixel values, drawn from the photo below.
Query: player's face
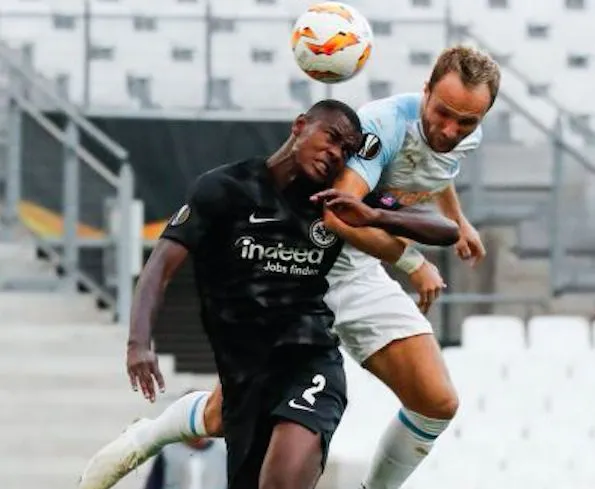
(324, 144)
(451, 111)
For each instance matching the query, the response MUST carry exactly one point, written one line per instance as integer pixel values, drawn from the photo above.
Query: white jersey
(396, 157)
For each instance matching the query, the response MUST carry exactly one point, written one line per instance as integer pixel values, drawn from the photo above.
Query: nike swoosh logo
(259, 220)
(295, 405)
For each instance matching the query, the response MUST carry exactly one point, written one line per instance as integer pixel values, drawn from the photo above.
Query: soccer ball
(331, 42)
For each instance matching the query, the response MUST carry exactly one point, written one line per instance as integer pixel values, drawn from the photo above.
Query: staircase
(65, 393)
(512, 205)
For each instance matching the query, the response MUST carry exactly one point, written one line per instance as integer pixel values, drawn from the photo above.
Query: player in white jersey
(413, 151)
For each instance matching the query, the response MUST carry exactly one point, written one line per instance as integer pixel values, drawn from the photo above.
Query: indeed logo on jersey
(280, 258)
(288, 259)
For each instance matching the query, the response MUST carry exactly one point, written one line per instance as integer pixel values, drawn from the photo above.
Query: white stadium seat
(560, 334)
(521, 408)
(493, 333)
(58, 53)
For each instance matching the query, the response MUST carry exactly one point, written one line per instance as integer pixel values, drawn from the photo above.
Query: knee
(212, 415)
(445, 406)
(441, 405)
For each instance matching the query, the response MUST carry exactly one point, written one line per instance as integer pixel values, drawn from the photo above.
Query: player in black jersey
(260, 253)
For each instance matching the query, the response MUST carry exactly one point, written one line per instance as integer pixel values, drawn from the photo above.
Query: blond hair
(473, 67)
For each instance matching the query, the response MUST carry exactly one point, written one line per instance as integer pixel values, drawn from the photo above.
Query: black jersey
(260, 258)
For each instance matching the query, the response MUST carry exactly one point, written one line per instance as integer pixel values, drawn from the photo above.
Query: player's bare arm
(417, 223)
(142, 365)
(469, 245)
(373, 241)
(424, 277)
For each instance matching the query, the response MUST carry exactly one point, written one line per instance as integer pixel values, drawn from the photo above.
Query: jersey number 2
(319, 382)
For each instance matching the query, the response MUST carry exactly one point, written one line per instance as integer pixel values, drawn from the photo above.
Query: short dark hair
(331, 105)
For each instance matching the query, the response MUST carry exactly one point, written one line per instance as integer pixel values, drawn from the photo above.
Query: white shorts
(372, 310)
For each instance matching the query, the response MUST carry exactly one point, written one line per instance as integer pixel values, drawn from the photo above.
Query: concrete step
(75, 366)
(26, 480)
(30, 289)
(19, 257)
(578, 235)
(71, 442)
(108, 350)
(517, 276)
(50, 308)
(174, 383)
(502, 206)
(55, 473)
(123, 411)
(75, 398)
(511, 165)
(50, 466)
(64, 398)
(32, 474)
(578, 280)
(79, 332)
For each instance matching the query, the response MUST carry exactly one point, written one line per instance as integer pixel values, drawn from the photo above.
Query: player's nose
(450, 130)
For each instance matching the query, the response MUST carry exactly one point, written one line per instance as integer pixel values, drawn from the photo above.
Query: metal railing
(79, 172)
(28, 84)
(567, 158)
(512, 71)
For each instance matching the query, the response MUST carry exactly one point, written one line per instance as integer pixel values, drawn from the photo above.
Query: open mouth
(322, 167)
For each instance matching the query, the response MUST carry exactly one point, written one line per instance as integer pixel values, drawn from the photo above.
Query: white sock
(405, 443)
(181, 420)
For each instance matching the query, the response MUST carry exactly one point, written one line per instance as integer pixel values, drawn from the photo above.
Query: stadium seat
(521, 409)
(355, 93)
(568, 28)
(559, 334)
(467, 371)
(492, 333)
(249, 8)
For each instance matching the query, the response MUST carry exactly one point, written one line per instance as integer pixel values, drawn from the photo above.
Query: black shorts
(303, 384)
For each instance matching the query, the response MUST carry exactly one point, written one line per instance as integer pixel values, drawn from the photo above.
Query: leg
(213, 421)
(307, 415)
(301, 407)
(194, 414)
(414, 370)
(279, 437)
(293, 459)
(383, 329)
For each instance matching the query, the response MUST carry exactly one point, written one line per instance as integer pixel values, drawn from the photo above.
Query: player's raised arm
(373, 241)
(417, 223)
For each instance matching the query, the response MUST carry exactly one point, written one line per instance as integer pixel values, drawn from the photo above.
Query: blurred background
(110, 107)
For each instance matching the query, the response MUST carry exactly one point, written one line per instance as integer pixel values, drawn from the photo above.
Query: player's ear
(298, 125)
(426, 89)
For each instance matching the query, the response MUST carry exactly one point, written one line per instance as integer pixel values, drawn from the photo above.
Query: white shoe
(117, 459)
